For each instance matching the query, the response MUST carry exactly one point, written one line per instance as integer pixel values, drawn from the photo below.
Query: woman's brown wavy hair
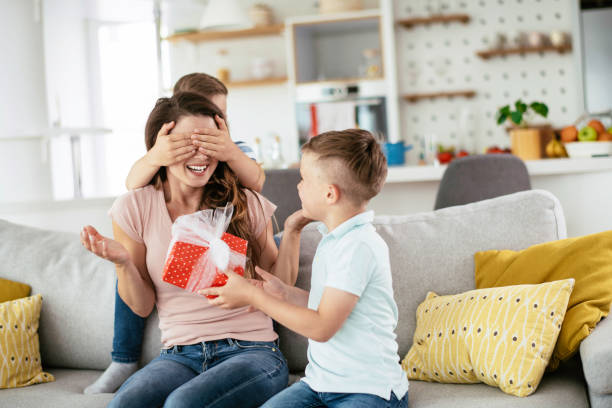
(223, 186)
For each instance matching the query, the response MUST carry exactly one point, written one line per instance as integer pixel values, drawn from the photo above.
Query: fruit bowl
(589, 149)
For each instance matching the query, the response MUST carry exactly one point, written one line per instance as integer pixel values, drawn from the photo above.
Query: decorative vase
(530, 143)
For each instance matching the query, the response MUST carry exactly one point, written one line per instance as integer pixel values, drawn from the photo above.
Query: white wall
(24, 171)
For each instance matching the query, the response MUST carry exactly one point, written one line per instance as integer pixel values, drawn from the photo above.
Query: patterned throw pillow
(20, 364)
(587, 259)
(501, 336)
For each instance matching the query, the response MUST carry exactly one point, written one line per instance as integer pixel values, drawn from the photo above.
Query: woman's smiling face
(196, 170)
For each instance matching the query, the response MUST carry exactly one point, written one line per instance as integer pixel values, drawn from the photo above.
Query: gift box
(200, 250)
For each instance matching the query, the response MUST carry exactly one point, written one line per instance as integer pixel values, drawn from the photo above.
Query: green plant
(522, 110)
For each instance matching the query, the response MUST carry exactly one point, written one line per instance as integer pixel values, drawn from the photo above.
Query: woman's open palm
(104, 247)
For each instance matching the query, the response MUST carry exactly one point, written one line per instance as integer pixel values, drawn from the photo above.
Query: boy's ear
(333, 194)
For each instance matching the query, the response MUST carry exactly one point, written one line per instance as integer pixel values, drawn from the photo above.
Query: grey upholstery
(596, 355)
(429, 251)
(281, 188)
(475, 178)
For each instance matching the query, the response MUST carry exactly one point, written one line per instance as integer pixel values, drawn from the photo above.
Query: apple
(587, 134)
(445, 157)
(597, 125)
(610, 130)
(569, 134)
(605, 137)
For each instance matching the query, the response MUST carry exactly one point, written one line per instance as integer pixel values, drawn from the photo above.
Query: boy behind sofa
(350, 315)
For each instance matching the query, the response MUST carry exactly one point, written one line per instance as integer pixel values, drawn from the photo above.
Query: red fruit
(597, 125)
(462, 153)
(494, 150)
(569, 134)
(445, 157)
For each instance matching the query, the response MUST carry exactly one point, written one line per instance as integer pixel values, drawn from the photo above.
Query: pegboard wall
(442, 57)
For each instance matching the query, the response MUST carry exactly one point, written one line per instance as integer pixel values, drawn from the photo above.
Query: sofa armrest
(596, 355)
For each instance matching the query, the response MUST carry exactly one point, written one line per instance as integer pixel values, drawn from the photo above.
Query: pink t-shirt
(185, 317)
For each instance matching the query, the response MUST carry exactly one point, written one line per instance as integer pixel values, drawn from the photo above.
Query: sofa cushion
(501, 336)
(562, 388)
(66, 391)
(76, 323)
(435, 250)
(586, 259)
(20, 364)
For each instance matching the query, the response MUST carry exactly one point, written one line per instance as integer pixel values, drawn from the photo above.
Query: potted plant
(528, 142)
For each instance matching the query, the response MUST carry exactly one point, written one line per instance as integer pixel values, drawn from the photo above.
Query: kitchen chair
(474, 178)
(281, 188)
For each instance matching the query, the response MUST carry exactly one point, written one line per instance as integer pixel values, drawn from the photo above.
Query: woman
(210, 357)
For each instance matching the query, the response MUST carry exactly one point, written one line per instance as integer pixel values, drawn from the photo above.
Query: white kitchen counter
(545, 167)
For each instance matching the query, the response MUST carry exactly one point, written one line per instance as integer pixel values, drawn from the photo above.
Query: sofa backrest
(429, 251)
(434, 251)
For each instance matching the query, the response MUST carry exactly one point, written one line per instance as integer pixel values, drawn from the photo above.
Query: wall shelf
(256, 82)
(523, 50)
(434, 19)
(209, 35)
(433, 95)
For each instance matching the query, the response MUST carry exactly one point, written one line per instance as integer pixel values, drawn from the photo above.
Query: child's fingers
(165, 128)
(207, 146)
(264, 274)
(209, 153)
(221, 122)
(179, 151)
(185, 156)
(177, 137)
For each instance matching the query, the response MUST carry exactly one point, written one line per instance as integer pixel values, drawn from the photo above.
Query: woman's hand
(296, 222)
(170, 148)
(104, 247)
(216, 143)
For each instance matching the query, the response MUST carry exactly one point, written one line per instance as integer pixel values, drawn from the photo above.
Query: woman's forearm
(136, 291)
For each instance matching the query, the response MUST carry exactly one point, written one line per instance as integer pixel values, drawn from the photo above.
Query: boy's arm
(217, 143)
(319, 325)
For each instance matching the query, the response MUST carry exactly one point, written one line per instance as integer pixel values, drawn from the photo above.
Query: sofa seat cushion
(66, 391)
(563, 388)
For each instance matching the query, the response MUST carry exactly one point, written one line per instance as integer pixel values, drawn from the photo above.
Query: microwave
(341, 105)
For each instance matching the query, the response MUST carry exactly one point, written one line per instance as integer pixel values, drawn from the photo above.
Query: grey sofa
(429, 251)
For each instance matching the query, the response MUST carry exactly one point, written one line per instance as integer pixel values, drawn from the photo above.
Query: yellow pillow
(586, 259)
(20, 363)
(10, 290)
(503, 337)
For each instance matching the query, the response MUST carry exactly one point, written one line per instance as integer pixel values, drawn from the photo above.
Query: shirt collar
(359, 219)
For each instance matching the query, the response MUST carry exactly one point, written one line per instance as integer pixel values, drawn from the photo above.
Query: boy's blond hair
(353, 160)
(200, 83)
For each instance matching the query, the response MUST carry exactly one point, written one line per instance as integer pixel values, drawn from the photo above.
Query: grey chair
(281, 188)
(474, 178)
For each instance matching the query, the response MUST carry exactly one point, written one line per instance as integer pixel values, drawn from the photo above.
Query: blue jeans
(128, 333)
(300, 395)
(222, 373)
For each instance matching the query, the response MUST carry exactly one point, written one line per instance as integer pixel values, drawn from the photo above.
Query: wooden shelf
(434, 19)
(434, 95)
(523, 50)
(257, 82)
(212, 35)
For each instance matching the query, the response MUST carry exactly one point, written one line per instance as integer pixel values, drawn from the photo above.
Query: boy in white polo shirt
(350, 315)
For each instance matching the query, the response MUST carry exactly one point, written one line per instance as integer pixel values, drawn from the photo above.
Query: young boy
(216, 143)
(170, 149)
(350, 315)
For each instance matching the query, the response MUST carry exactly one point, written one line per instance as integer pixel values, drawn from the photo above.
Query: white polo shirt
(362, 356)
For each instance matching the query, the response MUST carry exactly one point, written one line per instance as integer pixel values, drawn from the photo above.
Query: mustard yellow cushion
(10, 290)
(586, 259)
(503, 336)
(20, 363)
